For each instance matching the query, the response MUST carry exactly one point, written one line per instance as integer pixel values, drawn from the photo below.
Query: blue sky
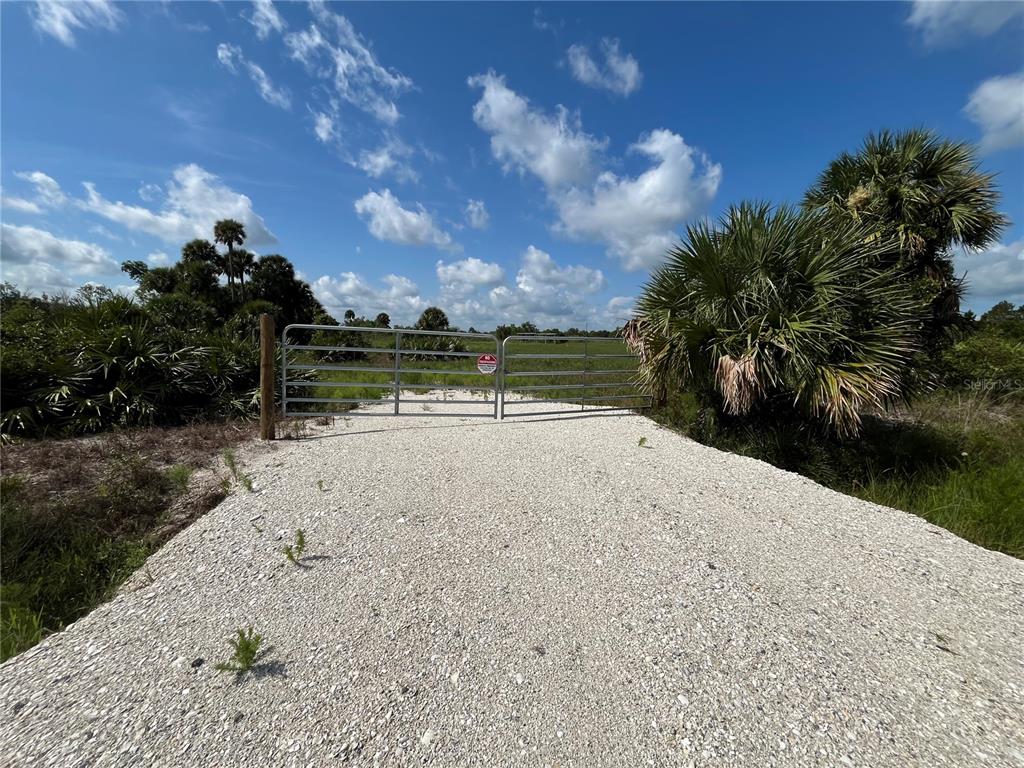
(505, 161)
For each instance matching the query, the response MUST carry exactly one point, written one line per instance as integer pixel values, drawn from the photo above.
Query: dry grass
(80, 515)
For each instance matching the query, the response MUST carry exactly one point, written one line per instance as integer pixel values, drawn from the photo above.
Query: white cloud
(995, 273)
(28, 248)
(99, 229)
(61, 19)
(947, 21)
(231, 57)
(348, 64)
(266, 19)
(476, 214)
(541, 23)
(48, 191)
(158, 259)
(461, 278)
(323, 127)
(997, 106)
(540, 275)
(7, 202)
(149, 192)
(620, 74)
(40, 277)
(636, 217)
(390, 158)
(388, 220)
(543, 292)
(399, 297)
(195, 200)
(553, 148)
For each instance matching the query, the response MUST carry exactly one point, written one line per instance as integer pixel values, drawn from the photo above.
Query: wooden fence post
(266, 377)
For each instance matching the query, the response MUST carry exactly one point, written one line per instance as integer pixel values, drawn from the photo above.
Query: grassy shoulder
(80, 515)
(955, 459)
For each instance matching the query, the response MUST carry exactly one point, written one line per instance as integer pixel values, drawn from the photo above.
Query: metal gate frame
(499, 387)
(582, 387)
(395, 370)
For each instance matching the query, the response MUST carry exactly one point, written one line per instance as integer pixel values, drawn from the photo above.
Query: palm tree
(779, 311)
(230, 233)
(245, 263)
(929, 194)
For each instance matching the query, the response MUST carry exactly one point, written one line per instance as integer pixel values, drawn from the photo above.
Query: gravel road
(537, 593)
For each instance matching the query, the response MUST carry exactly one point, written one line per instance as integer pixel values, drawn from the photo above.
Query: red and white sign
(487, 364)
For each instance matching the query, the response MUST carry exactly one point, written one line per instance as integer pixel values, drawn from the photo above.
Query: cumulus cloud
(552, 147)
(332, 50)
(61, 19)
(476, 214)
(266, 19)
(540, 275)
(232, 58)
(997, 107)
(388, 220)
(620, 73)
(195, 199)
(29, 247)
(158, 259)
(636, 217)
(994, 274)
(461, 278)
(399, 296)
(390, 158)
(543, 291)
(942, 22)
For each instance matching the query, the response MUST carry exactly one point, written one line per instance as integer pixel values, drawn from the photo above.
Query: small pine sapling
(294, 551)
(246, 647)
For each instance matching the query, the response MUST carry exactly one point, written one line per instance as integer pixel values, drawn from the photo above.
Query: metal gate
(356, 360)
(331, 369)
(594, 372)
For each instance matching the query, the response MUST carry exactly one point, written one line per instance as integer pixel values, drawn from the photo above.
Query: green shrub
(780, 315)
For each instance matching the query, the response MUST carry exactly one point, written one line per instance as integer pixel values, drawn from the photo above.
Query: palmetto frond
(779, 306)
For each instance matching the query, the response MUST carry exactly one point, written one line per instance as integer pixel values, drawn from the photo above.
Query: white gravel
(538, 593)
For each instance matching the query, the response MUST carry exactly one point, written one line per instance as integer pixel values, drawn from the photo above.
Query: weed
(320, 485)
(81, 515)
(246, 647)
(179, 476)
(294, 551)
(231, 462)
(641, 442)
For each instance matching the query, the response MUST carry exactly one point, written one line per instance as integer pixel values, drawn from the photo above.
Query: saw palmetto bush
(99, 360)
(930, 195)
(779, 314)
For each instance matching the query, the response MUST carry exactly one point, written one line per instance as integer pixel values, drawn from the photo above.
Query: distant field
(599, 373)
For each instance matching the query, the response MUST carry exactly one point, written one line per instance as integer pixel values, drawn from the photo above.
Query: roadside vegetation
(828, 339)
(81, 514)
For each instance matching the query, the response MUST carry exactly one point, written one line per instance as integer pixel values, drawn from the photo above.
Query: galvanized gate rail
(396, 369)
(585, 371)
(588, 381)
